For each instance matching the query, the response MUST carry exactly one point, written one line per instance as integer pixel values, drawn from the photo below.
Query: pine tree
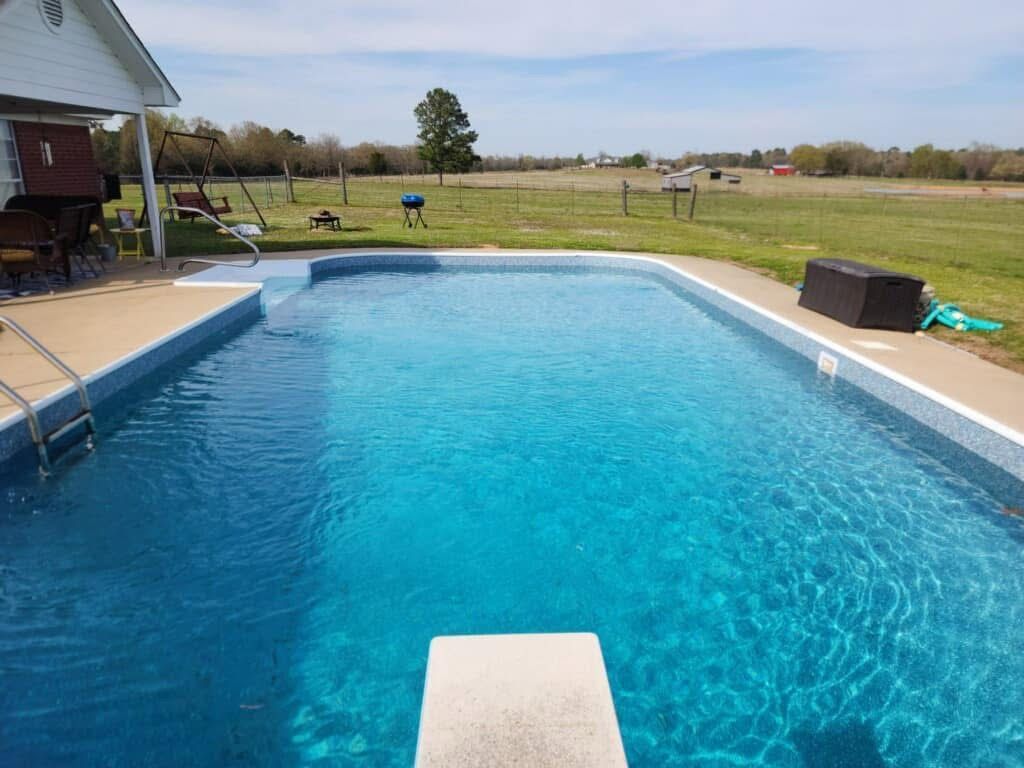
(446, 141)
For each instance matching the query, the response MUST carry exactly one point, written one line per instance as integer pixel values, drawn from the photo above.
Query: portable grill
(413, 205)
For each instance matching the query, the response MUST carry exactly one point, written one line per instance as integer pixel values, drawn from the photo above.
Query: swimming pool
(250, 568)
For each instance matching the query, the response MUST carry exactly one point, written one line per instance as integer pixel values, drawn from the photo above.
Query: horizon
(743, 76)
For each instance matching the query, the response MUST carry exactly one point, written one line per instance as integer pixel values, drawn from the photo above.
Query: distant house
(682, 180)
(782, 170)
(604, 162)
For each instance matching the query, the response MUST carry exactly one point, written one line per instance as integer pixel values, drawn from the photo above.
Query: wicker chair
(48, 206)
(27, 246)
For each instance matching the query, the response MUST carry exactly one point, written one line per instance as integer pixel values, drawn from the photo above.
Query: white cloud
(325, 66)
(369, 102)
(573, 28)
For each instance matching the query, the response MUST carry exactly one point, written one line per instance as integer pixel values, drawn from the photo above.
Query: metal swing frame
(200, 181)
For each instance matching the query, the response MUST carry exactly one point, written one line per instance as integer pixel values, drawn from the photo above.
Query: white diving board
(522, 700)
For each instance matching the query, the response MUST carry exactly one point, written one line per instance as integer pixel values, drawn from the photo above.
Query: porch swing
(199, 200)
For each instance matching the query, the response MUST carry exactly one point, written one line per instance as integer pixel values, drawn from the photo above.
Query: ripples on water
(250, 567)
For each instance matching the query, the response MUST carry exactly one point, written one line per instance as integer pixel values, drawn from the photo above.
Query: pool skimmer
(828, 364)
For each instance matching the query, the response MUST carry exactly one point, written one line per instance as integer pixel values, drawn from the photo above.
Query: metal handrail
(51, 358)
(34, 427)
(219, 223)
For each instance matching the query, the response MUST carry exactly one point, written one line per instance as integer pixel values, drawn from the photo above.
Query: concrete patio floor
(93, 323)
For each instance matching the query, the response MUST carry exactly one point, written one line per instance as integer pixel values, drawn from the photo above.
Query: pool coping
(981, 435)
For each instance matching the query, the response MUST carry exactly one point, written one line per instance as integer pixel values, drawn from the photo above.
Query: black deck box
(860, 295)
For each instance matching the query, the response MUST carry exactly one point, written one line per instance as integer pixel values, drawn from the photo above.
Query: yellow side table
(139, 251)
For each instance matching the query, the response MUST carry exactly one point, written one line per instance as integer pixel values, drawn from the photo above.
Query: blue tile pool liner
(991, 453)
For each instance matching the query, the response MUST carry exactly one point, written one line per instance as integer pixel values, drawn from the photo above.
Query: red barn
(782, 170)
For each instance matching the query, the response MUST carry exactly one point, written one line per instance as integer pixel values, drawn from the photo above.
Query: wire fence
(897, 226)
(266, 191)
(860, 222)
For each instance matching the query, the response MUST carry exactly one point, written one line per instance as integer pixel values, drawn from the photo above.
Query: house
(682, 180)
(64, 63)
(604, 162)
(782, 170)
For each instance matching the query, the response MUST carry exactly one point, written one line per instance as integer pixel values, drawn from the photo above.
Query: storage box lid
(860, 269)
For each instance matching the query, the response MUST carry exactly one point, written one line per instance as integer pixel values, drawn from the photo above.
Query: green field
(970, 246)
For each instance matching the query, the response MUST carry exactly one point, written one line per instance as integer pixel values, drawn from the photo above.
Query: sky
(548, 77)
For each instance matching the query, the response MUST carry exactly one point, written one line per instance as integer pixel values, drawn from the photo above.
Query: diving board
(503, 700)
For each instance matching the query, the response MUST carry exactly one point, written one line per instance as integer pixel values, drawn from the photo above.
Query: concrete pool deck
(95, 323)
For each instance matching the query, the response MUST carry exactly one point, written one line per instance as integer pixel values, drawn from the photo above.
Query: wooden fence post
(675, 201)
(625, 207)
(693, 199)
(344, 183)
(821, 221)
(881, 223)
(959, 229)
(289, 190)
(460, 193)
(517, 195)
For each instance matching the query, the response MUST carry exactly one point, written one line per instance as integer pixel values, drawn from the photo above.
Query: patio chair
(87, 230)
(73, 225)
(27, 246)
(68, 229)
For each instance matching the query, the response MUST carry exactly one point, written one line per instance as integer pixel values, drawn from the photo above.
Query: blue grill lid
(412, 200)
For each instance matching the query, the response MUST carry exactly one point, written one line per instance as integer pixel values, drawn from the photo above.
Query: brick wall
(74, 168)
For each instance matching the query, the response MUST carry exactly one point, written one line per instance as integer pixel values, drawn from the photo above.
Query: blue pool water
(249, 569)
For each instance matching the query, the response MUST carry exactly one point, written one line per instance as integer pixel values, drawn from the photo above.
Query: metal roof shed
(683, 180)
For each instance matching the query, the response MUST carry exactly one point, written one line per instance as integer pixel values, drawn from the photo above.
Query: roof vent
(52, 12)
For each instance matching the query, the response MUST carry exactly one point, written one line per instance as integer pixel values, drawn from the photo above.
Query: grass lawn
(970, 246)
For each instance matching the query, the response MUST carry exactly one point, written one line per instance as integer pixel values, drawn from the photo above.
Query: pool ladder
(43, 440)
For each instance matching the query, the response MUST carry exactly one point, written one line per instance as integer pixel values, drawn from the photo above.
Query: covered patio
(63, 66)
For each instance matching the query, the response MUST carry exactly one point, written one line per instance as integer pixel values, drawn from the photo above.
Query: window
(10, 171)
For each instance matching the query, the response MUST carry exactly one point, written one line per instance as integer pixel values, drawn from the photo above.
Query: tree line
(258, 150)
(978, 162)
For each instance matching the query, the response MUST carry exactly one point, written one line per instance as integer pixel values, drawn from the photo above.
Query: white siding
(75, 66)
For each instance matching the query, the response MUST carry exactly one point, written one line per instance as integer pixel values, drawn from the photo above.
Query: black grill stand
(410, 220)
